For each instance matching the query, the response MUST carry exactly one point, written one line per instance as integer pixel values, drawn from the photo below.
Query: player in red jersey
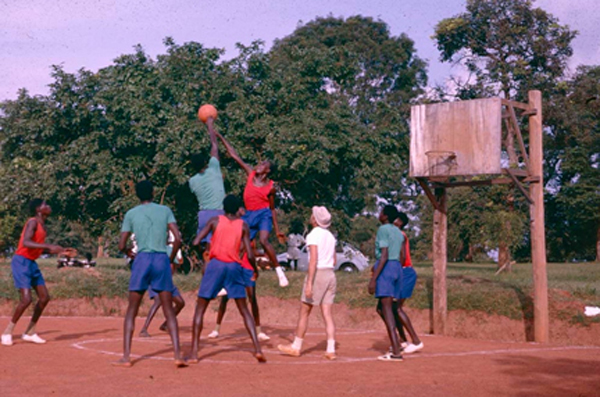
(224, 270)
(250, 280)
(259, 200)
(27, 274)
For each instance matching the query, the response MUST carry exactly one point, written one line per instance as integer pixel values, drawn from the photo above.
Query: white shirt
(325, 243)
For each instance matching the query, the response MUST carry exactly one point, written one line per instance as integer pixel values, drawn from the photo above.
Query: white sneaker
(263, 337)
(413, 348)
(33, 338)
(403, 346)
(7, 340)
(283, 281)
(223, 292)
(213, 335)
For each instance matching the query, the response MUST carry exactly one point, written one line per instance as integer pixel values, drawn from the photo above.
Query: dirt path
(76, 361)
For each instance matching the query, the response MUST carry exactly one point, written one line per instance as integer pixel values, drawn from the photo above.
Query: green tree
(85, 145)
(574, 174)
(508, 47)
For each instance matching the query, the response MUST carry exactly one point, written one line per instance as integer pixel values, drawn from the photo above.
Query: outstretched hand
(55, 249)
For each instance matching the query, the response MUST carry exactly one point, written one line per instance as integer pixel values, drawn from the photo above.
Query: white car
(348, 259)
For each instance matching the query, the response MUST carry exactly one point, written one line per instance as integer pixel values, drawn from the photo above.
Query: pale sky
(35, 34)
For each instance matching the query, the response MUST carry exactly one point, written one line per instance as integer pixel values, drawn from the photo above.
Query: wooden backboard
(456, 138)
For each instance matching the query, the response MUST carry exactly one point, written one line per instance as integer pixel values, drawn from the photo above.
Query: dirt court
(76, 361)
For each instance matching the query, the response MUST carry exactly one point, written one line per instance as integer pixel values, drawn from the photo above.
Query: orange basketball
(207, 111)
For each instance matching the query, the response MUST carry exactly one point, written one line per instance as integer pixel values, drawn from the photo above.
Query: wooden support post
(538, 236)
(440, 234)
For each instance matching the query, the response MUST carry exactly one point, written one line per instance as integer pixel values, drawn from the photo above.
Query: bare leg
(166, 300)
(251, 328)
(151, 314)
(397, 319)
(179, 304)
(329, 324)
(135, 298)
(201, 305)
(305, 310)
(388, 317)
(43, 299)
(251, 292)
(23, 304)
(407, 323)
(269, 250)
(222, 309)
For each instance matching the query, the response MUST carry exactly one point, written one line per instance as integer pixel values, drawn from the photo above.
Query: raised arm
(214, 147)
(29, 243)
(234, 155)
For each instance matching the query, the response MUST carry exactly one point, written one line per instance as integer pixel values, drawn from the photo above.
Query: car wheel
(348, 268)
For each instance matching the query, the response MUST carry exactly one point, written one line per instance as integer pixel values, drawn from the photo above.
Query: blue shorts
(153, 294)
(248, 274)
(259, 220)
(26, 273)
(408, 282)
(219, 275)
(203, 217)
(151, 269)
(389, 282)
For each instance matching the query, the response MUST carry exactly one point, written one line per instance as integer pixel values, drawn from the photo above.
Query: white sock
(279, 272)
(297, 345)
(330, 346)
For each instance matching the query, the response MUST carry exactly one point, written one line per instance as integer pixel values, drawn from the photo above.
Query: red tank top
(246, 263)
(226, 240)
(39, 236)
(255, 197)
(407, 260)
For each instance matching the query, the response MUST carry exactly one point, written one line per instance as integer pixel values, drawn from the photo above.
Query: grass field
(470, 287)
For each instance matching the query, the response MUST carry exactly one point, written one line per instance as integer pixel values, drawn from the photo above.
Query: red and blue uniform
(258, 212)
(26, 273)
(248, 271)
(224, 269)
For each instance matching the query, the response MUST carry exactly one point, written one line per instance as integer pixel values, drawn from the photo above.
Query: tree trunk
(100, 252)
(598, 245)
(503, 254)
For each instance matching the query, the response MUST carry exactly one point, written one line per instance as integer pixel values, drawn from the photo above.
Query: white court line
(340, 360)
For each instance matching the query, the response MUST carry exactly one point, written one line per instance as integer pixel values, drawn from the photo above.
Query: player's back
(208, 186)
(227, 239)
(149, 222)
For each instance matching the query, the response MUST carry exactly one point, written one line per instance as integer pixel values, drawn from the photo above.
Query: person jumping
(259, 200)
